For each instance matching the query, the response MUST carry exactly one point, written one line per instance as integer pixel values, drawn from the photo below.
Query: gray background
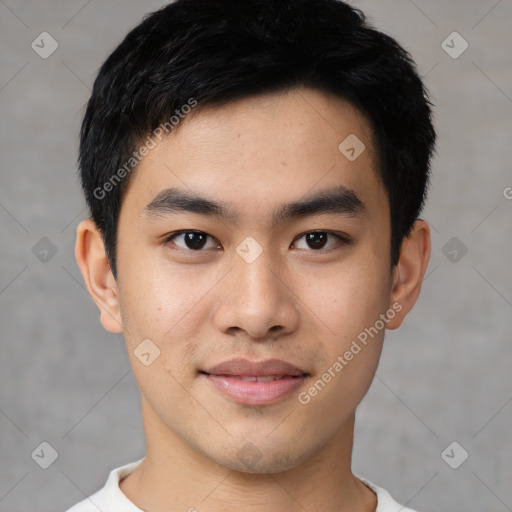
(444, 376)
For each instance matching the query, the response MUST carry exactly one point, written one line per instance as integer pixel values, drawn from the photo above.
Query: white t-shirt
(111, 499)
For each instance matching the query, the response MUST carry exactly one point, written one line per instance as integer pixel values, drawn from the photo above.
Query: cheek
(350, 304)
(150, 291)
(158, 306)
(168, 305)
(350, 298)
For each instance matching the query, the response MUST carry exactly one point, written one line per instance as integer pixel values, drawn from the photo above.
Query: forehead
(261, 150)
(295, 116)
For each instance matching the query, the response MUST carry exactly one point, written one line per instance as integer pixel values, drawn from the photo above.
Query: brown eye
(191, 240)
(317, 240)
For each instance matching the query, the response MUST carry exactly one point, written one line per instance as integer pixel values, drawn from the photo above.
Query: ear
(409, 272)
(93, 262)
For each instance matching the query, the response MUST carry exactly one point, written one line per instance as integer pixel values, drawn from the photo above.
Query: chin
(264, 466)
(261, 457)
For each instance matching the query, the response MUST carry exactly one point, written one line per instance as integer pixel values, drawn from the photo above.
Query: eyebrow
(338, 200)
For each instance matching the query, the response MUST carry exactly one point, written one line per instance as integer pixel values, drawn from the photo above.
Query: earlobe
(94, 265)
(410, 271)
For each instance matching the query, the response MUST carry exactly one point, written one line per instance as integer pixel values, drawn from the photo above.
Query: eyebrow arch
(339, 200)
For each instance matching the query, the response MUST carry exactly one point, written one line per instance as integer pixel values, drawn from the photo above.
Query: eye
(191, 240)
(195, 241)
(317, 240)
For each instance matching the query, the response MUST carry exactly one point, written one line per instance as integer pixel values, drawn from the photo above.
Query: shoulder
(109, 498)
(385, 503)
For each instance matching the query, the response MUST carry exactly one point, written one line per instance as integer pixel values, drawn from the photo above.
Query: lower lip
(255, 393)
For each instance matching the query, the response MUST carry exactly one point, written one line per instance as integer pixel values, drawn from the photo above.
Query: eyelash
(343, 240)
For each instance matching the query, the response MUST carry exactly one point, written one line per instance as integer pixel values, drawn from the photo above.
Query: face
(255, 279)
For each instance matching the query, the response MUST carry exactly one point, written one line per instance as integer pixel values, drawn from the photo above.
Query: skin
(294, 302)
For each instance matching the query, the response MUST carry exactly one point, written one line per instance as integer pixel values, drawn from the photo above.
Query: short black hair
(211, 52)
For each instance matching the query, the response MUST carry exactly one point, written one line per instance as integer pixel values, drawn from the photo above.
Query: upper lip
(245, 368)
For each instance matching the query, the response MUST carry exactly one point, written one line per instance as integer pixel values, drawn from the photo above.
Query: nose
(257, 300)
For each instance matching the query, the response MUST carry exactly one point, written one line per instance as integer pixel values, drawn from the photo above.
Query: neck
(175, 477)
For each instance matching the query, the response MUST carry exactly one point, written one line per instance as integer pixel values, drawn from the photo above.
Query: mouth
(255, 383)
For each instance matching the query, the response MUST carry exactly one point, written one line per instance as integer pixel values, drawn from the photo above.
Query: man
(255, 171)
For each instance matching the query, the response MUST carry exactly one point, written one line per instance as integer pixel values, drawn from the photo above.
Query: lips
(258, 378)
(255, 383)
(245, 368)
